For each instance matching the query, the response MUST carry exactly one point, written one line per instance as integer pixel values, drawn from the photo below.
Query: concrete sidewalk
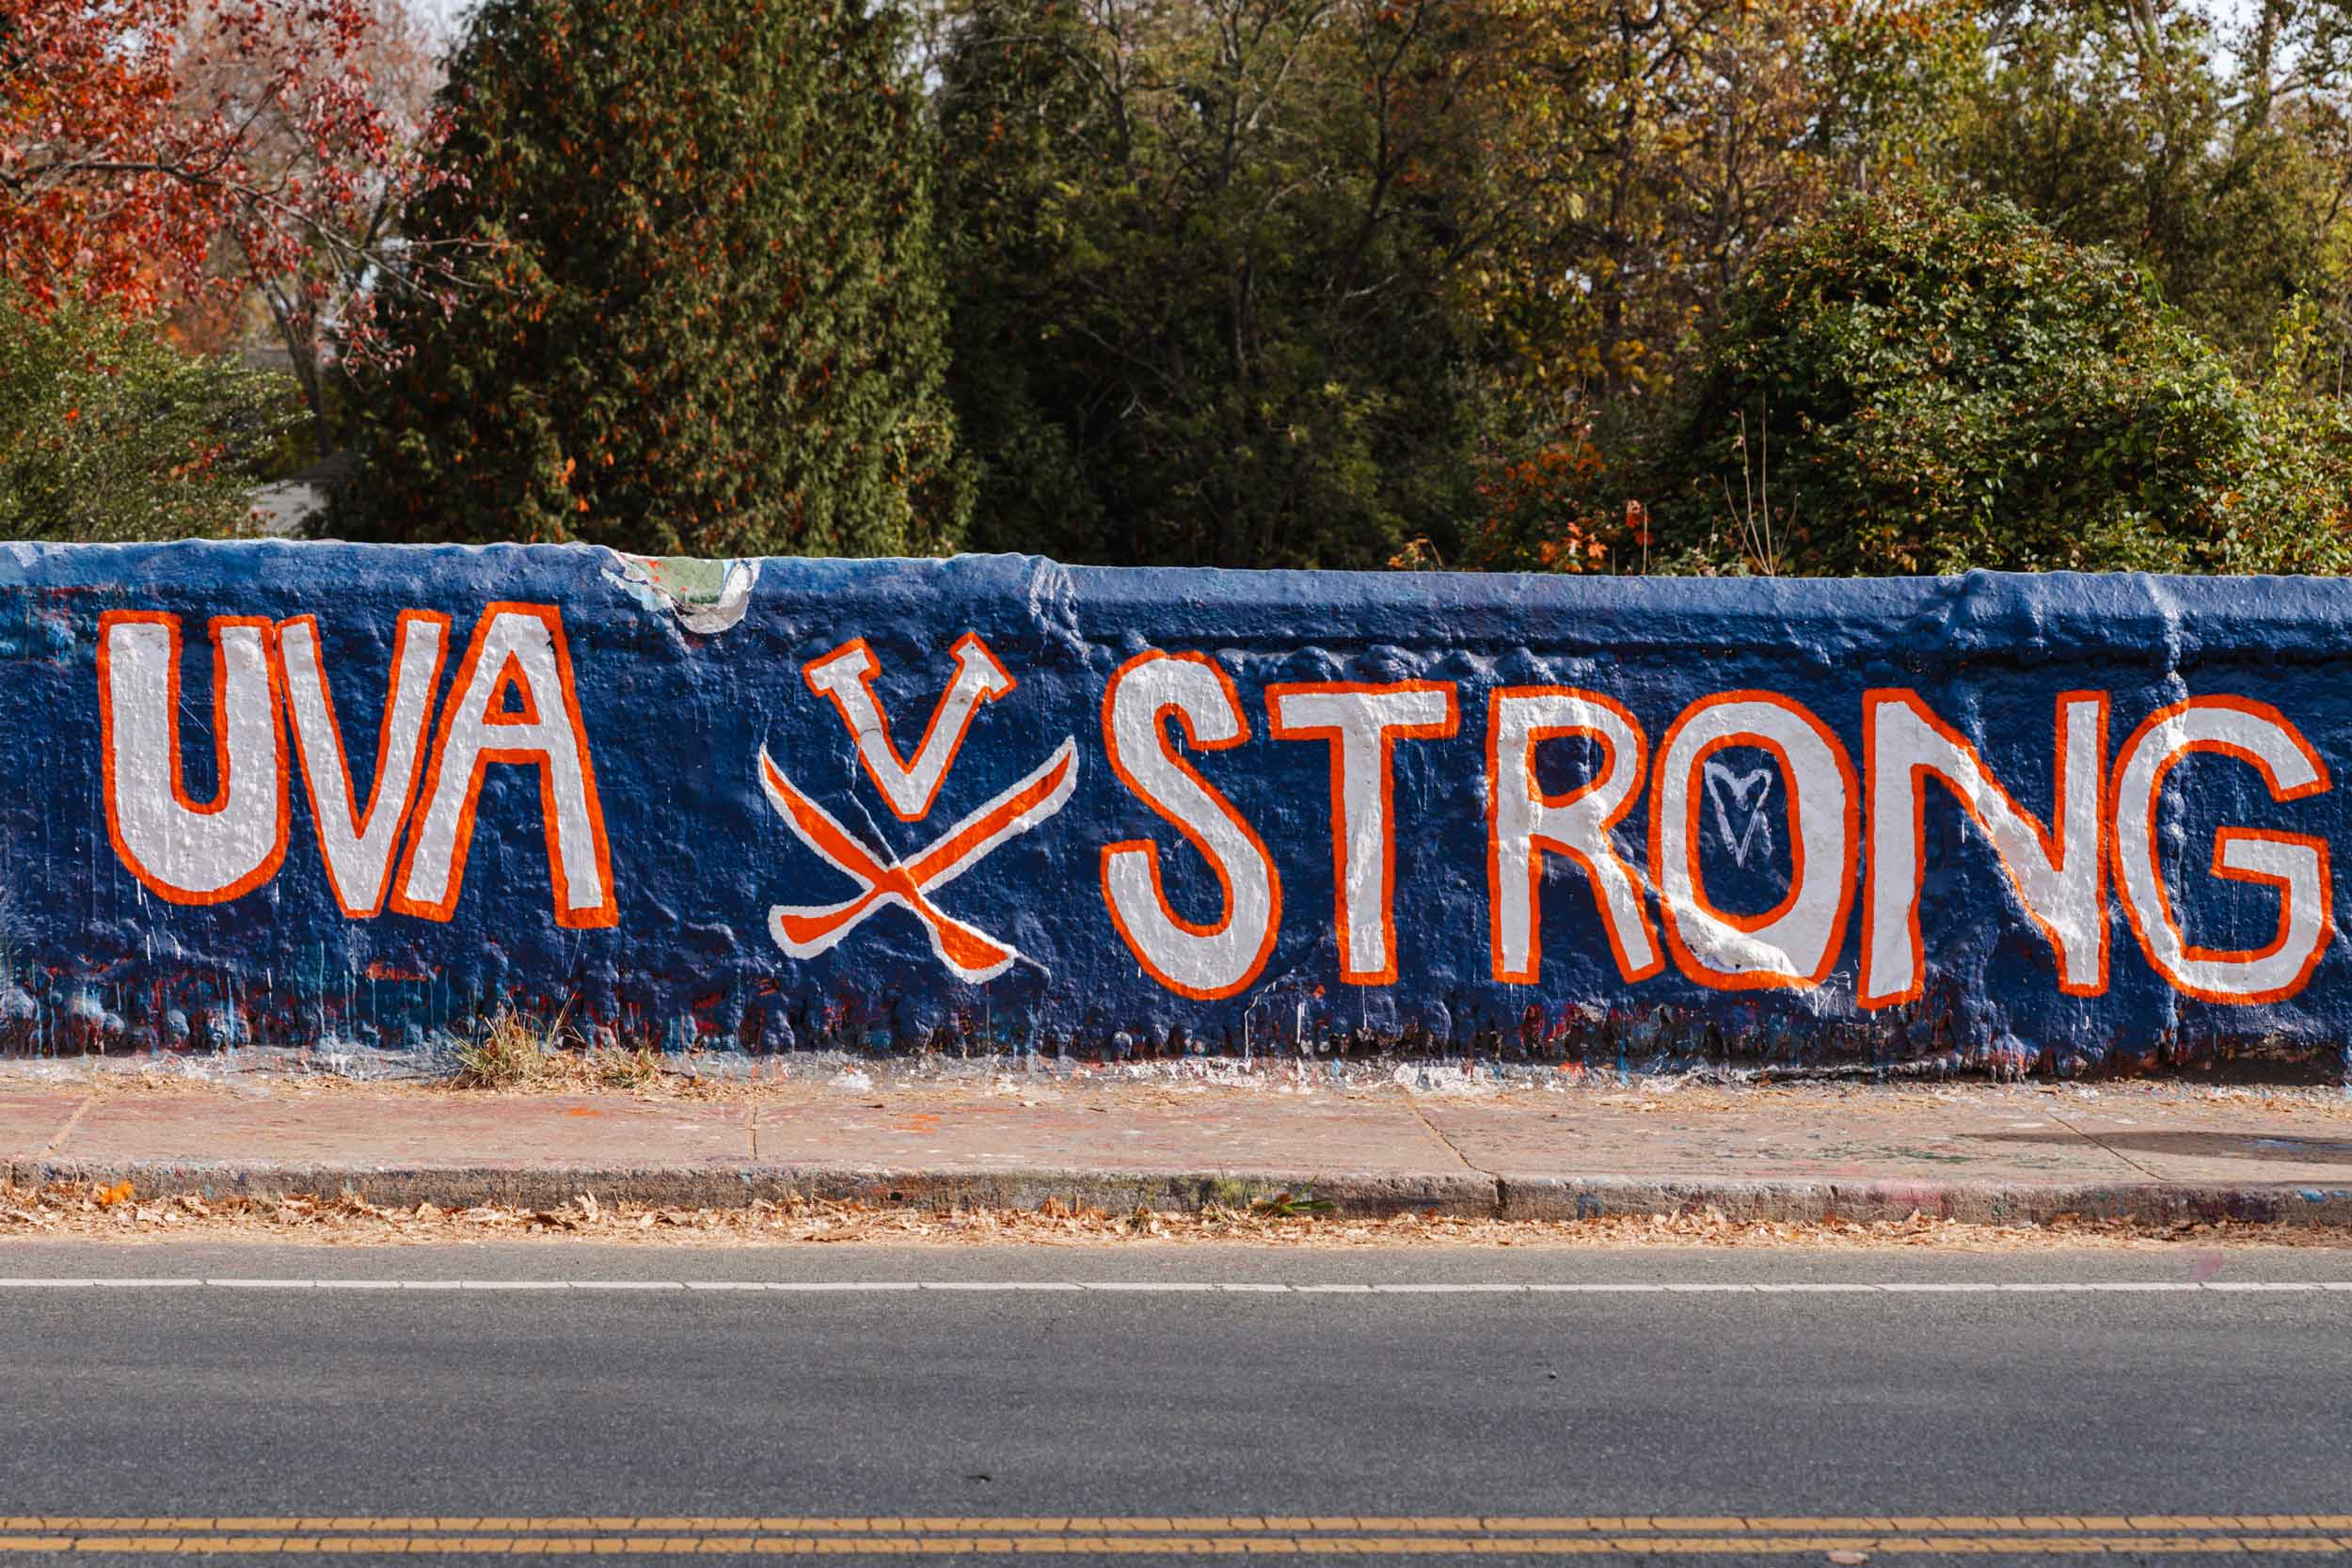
(2153, 1153)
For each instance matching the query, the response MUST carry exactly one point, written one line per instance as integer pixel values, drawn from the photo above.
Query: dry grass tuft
(615, 1067)
(514, 1051)
(521, 1051)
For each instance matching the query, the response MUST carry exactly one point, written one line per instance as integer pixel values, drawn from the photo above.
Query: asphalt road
(156, 1421)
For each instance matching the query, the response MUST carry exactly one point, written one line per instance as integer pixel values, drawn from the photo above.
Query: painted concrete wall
(301, 792)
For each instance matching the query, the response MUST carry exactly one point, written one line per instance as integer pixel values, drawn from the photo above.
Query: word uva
(403, 845)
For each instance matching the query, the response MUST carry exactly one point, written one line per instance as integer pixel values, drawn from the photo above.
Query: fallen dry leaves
(90, 1211)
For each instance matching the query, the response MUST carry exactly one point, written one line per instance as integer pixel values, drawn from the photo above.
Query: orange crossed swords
(969, 953)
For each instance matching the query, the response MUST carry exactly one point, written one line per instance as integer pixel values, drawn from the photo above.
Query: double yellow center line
(1894, 1535)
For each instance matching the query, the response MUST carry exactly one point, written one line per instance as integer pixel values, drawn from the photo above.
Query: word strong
(1758, 755)
(512, 701)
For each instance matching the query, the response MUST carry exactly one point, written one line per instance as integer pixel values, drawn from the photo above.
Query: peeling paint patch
(707, 597)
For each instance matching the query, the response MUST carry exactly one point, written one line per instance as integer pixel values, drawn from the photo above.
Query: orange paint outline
(525, 714)
(168, 892)
(1334, 739)
(2053, 839)
(881, 714)
(359, 820)
(2223, 836)
(906, 881)
(604, 915)
(1684, 959)
(1535, 863)
(1149, 848)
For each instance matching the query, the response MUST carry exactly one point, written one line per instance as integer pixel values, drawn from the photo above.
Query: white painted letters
(2296, 863)
(846, 677)
(1794, 945)
(2060, 876)
(1209, 959)
(1524, 824)
(357, 847)
(1362, 724)
(184, 852)
(399, 839)
(512, 702)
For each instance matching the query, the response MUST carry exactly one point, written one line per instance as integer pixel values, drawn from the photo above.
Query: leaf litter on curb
(90, 1210)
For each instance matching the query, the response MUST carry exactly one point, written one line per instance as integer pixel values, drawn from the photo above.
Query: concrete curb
(1984, 1203)
(1466, 1195)
(735, 1186)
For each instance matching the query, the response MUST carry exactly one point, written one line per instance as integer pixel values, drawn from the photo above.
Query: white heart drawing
(1759, 782)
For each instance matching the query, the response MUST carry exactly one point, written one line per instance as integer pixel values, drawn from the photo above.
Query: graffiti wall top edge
(2162, 622)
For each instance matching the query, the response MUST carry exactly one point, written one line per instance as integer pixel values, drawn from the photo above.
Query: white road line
(1600, 1289)
(1446, 1289)
(1827, 1288)
(999, 1285)
(262, 1284)
(1176, 1287)
(628, 1284)
(560, 1285)
(2247, 1285)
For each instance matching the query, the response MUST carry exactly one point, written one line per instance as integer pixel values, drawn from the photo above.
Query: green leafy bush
(1909, 385)
(108, 432)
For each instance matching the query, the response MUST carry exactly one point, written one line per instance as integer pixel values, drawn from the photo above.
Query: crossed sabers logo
(909, 786)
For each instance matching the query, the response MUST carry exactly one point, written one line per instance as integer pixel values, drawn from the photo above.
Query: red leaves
(144, 143)
(1637, 523)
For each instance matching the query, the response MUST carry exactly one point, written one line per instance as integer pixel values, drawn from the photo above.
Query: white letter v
(846, 677)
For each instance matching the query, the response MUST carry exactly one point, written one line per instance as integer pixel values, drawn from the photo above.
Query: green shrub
(1920, 387)
(1201, 280)
(108, 432)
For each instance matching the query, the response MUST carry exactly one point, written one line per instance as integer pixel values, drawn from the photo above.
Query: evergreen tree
(701, 312)
(1200, 278)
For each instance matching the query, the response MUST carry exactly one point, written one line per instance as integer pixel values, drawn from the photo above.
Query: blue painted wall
(676, 719)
